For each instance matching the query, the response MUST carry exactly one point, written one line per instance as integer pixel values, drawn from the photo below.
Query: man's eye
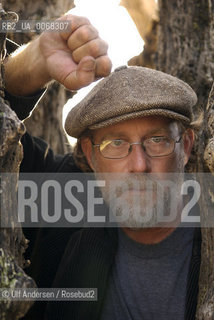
(159, 140)
(117, 143)
(111, 143)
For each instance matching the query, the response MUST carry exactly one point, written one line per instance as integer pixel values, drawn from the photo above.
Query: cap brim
(137, 114)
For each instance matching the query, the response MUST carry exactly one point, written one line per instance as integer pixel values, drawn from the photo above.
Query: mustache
(136, 182)
(119, 183)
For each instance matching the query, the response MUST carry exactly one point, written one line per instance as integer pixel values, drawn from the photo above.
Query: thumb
(83, 75)
(87, 64)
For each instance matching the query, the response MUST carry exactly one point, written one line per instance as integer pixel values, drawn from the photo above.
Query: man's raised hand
(75, 59)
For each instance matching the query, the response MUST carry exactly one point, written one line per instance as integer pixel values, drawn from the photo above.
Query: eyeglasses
(154, 147)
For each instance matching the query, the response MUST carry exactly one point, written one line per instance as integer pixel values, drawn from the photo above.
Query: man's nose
(138, 160)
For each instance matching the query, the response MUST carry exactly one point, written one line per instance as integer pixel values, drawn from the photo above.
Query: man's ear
(188, 141)
(86, 146)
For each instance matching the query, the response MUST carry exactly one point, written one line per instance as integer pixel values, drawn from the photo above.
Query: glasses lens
(159, 146)
(114, 149)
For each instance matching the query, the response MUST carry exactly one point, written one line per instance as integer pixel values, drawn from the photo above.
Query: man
(135, 121)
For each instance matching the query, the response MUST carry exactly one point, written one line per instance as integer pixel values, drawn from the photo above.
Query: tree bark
(46, 120)
(12, 241)
(186, 50)
(185, 43)
(145, 15)
(206, 283)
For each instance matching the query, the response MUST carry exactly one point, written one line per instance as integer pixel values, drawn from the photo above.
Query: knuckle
(107, 67)
(94, 48)
(85, 33)
(83, 20)
(77, 21)
(104, 66)
(86, 20)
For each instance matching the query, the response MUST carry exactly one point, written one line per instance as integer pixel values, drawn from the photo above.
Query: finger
(103, 67)
(94, 48)
(81, 36)
(74, 22)
(82, 76)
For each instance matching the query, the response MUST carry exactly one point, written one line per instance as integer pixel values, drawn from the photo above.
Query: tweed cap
(128, 93)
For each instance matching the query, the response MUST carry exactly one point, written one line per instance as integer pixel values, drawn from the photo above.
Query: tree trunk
(12, 241)
(46, 121)
(185, 48)
(145, 15)
(206, 283)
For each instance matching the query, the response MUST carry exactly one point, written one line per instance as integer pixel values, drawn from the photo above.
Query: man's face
(137, 168)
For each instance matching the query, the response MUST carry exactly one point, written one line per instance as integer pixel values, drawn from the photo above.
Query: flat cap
(128, 93)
